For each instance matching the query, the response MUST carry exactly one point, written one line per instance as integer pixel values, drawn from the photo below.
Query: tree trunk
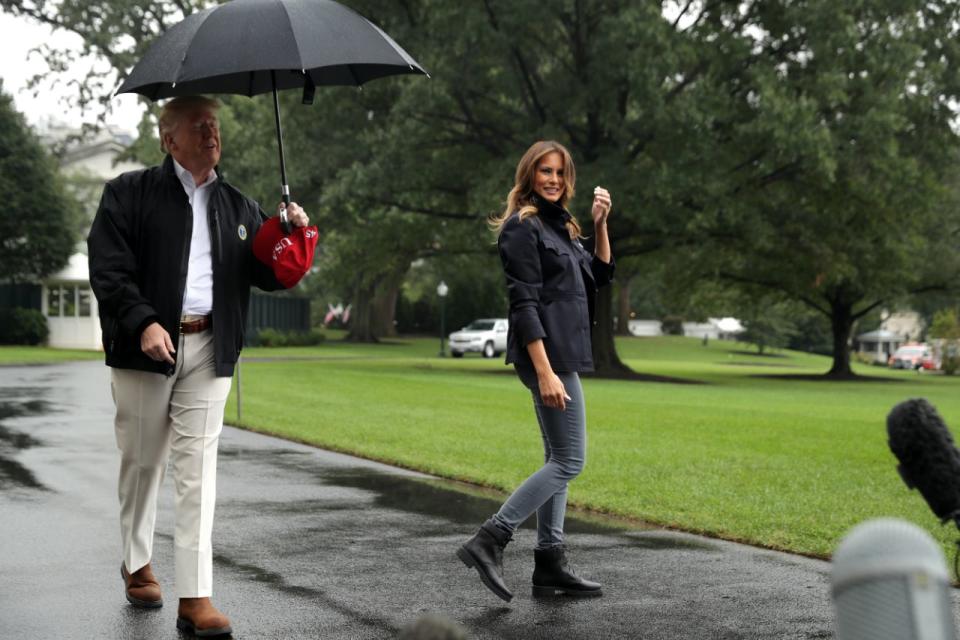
(623, 307)
(606, 362)
(841, 323)
(384, 304)
(361, 315)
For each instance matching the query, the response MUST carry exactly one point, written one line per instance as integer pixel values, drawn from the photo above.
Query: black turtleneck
(551, 212)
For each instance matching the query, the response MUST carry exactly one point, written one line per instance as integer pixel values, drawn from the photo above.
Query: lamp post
(442, 290)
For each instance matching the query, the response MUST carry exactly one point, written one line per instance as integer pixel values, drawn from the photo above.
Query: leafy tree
(769, 323)
(842, 116)
(37, 226)
(946, 329)
(798, 146)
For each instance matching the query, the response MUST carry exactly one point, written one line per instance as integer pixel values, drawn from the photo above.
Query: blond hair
(173, 111)
(521, 195)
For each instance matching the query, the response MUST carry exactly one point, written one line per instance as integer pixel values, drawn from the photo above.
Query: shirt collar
(186, 178)
(551, 210)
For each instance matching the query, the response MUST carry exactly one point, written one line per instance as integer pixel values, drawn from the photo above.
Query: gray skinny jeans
(565, 445)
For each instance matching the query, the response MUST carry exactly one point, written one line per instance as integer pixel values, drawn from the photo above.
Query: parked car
(487, 336)
(910, 356)
(930, 362)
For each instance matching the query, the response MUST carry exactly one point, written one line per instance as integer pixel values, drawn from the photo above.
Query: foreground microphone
(889, 582)
(929, 461)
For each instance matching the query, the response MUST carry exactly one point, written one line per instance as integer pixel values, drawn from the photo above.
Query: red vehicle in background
(912, 356)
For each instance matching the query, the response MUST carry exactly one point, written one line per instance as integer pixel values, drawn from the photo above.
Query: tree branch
(448, 215)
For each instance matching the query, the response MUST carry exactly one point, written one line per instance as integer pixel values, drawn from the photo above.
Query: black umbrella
(250, 47)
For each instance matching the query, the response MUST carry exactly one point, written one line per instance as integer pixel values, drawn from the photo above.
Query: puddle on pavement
(317, 597)
(437, 498)
(16, 409)
(13, 405)
(660, 541)
(446, 500)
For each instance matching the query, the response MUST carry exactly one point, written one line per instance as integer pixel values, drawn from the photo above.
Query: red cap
(290, 256)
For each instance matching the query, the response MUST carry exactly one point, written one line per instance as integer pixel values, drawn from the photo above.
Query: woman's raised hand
(601, 206)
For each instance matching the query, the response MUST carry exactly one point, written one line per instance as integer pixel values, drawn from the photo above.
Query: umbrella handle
(284, 221)
(285, 188)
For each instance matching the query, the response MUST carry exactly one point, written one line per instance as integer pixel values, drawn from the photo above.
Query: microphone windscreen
(929, 460)
(889, 581)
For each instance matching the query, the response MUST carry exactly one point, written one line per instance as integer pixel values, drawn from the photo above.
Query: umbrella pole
(284, 188)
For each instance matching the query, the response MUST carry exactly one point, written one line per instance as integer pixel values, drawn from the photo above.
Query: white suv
(487, 336)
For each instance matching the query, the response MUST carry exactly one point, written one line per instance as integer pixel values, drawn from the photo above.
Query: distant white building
(879, 344)
(712, 329)
(907, 324)
(89, 162)
(66, 299)
(896, 329)
(644, 328)
(70, 307)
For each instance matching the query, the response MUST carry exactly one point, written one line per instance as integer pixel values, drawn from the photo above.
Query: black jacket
(139, 247)
(552, 283)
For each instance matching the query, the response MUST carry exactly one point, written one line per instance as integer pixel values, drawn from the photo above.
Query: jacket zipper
(216, 231)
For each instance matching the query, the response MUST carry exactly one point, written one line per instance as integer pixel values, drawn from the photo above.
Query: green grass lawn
(784, 463)
(44, 355)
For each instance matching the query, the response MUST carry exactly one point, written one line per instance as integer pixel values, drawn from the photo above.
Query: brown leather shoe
(197, 616)
(141, 587)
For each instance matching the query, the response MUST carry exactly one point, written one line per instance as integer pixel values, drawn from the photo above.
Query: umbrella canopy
(250, 47)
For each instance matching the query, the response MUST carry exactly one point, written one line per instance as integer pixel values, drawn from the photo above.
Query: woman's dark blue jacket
(552, 283)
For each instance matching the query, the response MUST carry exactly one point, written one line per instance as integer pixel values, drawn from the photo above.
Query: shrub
(946, 327)
(950, 364)
(23, 326)
(272, 338)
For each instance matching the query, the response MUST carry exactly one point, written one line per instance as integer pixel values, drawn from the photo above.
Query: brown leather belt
(195, 326)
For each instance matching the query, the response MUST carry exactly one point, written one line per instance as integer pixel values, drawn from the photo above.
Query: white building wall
(71, 308)
(644, 328)
(905, 323)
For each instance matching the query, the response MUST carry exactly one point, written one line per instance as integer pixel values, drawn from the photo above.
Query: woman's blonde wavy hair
(521, 196)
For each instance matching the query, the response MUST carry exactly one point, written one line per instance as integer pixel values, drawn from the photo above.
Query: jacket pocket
(555, 245)
(109, 329)
(560, 267)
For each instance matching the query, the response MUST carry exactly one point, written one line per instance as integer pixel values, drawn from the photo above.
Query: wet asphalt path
(311, 544)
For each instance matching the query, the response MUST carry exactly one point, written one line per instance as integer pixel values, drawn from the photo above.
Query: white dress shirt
(198, 295)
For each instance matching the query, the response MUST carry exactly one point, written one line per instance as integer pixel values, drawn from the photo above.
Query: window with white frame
(68, 301)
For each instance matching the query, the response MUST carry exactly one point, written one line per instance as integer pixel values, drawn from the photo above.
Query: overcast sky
(18, 36)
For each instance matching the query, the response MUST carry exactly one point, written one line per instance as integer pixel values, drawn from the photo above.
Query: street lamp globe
(442, 289)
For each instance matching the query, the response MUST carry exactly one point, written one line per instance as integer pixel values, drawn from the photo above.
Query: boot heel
(546, 592)
(466, 558)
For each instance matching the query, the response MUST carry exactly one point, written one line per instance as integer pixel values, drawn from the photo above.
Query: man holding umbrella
(171, 264)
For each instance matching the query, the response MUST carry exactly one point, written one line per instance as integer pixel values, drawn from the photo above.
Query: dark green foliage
(38, 220)
(946, 330)
(794, 146)
(843, 122)
(274, 338)
(22, 326)
(476, 290)
(770, 324)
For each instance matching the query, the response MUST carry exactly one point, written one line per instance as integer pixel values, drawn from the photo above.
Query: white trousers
(178, 417)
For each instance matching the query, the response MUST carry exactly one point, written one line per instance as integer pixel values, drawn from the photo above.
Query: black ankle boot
(485, 552)
(552, 576)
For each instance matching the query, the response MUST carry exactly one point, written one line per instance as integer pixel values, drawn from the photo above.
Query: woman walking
(552, 282)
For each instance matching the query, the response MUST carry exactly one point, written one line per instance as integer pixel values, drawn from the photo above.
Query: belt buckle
(190, 326)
